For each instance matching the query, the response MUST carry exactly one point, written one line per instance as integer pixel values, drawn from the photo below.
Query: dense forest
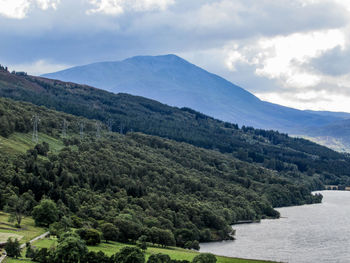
(290, 157)
(140, 184)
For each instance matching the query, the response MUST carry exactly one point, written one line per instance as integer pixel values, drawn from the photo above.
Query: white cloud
(46, 4)
(108, 7)
(283, 57)
(233, 58)
(38, 67)
(285, 61)
(287, 51)
(146, 5)
(18, 9)
(216, 14)
(315, 100)
(344, 3)
(14, 8)
(116, 7)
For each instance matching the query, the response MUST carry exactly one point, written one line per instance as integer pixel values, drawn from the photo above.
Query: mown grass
(28, 229)
(174, 252)
(5, 236)
(20, 260)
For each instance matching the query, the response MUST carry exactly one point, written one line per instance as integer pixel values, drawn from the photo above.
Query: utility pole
(121, 128)
(110, 125)
(64, 128)
(81, 131)
(98, 129)
(35, 120)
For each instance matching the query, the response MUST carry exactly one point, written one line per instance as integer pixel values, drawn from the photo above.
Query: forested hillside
(140, 183)
(290, 157)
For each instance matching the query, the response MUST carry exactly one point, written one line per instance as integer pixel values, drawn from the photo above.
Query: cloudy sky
(291, 52)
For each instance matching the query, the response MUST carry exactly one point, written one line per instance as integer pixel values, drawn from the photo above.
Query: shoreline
(271, 239)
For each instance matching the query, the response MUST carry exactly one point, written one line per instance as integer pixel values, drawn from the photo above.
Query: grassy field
(27, 232)
(5, 236)
(21, 142)
(24, 234)
(113, 247)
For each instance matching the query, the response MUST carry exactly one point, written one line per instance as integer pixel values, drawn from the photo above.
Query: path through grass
(28, 230)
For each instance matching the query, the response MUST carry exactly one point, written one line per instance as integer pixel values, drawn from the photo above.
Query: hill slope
(337, 132)
(137, 181)
(174, 81)
(290, 157)
(340, 115)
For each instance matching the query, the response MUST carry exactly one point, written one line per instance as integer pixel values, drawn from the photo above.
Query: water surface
(309, 233)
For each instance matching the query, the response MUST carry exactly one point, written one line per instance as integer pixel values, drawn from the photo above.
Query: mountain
(172, 176)
(176, 82)
(341, 115)
(336, 134)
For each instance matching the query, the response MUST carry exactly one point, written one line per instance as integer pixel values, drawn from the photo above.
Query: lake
(309, 233)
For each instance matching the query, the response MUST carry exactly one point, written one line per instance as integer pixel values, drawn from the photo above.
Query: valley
(174, 131)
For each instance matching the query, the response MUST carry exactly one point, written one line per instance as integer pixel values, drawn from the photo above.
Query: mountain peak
(174, 81)
(168, 58)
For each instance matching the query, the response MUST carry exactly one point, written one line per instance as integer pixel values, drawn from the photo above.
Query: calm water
(310, 233)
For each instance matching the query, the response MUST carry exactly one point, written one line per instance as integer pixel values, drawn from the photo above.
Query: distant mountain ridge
(342, 115)
(176, 82)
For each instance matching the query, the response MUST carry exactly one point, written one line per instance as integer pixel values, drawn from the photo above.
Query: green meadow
(30, 231)
(113, 247)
